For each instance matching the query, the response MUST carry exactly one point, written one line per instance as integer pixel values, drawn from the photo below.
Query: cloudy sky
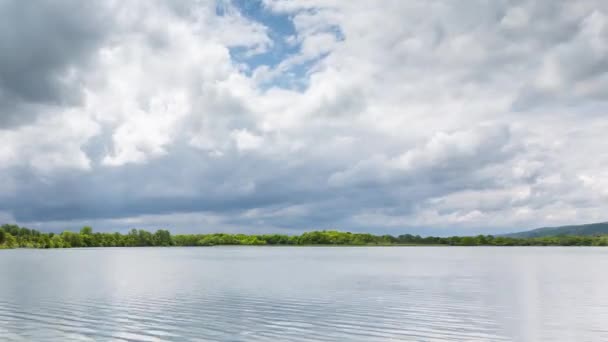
(394, 116)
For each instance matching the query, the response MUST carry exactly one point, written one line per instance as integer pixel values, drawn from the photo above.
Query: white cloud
(246, 141)
(54, 142)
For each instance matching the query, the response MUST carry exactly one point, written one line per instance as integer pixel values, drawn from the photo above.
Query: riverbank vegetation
(13, 236)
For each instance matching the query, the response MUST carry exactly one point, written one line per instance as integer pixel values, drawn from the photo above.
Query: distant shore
(13, 236)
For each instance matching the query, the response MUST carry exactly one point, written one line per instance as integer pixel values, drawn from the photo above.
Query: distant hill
(583, 229)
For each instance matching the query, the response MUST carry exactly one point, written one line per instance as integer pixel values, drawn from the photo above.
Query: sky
(432, 117)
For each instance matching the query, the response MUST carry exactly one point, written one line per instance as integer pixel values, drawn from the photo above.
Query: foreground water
(304, 294)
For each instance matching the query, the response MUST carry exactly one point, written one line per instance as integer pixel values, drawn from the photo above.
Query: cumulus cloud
(434, 117)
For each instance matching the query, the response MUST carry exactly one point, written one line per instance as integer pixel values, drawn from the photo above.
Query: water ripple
(279, 294)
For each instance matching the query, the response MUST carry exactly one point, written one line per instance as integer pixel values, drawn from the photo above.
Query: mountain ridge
(580, 230)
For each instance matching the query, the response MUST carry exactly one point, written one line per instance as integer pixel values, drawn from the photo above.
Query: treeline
(13, 236)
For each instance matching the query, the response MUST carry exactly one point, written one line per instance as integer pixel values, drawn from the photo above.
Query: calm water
(304, 294)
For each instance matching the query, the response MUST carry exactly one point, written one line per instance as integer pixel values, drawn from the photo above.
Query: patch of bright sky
(285, 44)
(280, 28)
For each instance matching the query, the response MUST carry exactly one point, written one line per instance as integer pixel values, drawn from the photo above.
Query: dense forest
(13, 236)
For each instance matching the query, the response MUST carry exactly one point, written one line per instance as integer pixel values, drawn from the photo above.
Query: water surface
(304, 294)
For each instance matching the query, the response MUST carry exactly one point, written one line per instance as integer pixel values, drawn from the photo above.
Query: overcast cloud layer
(430, 117)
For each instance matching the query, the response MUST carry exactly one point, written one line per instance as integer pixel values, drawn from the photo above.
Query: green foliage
(57, 242)
(13, 236)
(86, 230)
(162, 238)
(10, 241)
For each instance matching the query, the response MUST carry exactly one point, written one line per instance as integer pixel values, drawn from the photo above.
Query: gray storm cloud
(45, 45)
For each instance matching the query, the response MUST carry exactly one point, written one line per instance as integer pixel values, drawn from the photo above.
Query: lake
(305, 294)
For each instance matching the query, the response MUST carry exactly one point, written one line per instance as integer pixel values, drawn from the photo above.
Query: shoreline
(13, 236)
(300, 246)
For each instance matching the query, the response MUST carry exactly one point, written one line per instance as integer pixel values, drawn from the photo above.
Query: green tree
(468, 241)
(162, 238)
(57, 242)
(10, 241)
(72, 239)
(144, 238)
